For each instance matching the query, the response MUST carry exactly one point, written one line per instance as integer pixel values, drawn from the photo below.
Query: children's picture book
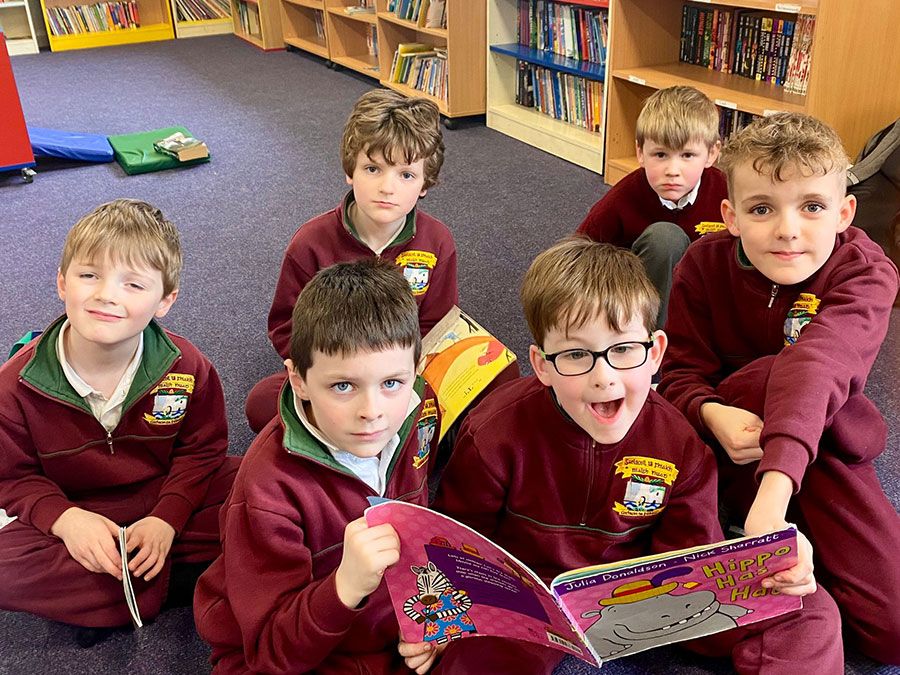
(452, 583)
(130, 598)
(460, 359)
(181, 147)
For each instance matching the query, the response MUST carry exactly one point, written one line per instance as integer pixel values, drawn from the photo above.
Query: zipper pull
(774, 293)
(109, 442)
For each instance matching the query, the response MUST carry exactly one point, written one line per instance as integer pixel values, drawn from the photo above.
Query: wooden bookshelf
(258, 22)
(18, 27)
(155, 24)
(348, 38)
(853, 59)
(568, 141)
(464, 40)
(299, 25)
(198, 28)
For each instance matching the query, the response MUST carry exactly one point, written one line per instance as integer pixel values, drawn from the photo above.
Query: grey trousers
(660, 247)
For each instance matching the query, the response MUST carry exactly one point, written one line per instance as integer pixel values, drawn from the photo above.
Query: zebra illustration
(443, 607)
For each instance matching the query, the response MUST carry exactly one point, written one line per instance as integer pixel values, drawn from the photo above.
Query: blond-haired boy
(775, 325)
(535, 467)
(675, 197)
(109, 420)
(298, 585)
(392, 151)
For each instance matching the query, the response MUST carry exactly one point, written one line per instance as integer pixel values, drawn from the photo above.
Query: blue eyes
(347, 387)
(392, 385)
(342, 387)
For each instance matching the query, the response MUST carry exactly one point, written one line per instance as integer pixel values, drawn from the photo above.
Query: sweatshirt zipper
(772, 296)
(109, 442)
(587, 497)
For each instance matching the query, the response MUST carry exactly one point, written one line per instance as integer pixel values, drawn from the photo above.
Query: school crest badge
(648, 479)
(425, 429)
(170, 399)
(417, 267)
(802, 312)
(707, 227)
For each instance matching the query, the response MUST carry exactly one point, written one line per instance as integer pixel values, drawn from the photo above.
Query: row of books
(576, 32)
(732, 121)
(572, 99)
(104, 16)
(248, 14)
(755, 45)
(424, 13)
(422, 67)
(319, 19)
(372, 40)
(202, 10)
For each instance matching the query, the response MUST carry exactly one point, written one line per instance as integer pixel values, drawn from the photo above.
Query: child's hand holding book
(90, 539)
(368, 551)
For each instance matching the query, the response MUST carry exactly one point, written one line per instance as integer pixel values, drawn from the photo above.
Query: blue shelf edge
(593, 71)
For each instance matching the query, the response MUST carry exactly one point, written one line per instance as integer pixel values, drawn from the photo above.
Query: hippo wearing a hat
(644, 614)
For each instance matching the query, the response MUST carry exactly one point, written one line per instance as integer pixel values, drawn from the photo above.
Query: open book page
(126, 581)
(460, 359)
(627, 607)
(452, 583)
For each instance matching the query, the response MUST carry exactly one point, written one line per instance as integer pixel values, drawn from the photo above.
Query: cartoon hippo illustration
(645, 614)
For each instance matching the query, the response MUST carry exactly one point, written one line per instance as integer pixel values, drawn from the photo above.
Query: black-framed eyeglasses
(620, 356)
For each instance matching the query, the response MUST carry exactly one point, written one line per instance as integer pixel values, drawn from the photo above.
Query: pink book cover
(628, 607)
(451, 583)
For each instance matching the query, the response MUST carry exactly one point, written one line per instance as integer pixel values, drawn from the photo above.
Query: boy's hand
(368, 551)
(419, 656)
(153, 536)
(736, 429)
(90, 539)
(768, 513)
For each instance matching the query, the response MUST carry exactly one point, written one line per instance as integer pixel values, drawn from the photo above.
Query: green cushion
(136, 154)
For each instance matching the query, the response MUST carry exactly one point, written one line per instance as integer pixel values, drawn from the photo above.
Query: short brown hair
(676, 116)
(401, 129)
(577, 280)
(366, 304)
(129, 231)
(785, 139)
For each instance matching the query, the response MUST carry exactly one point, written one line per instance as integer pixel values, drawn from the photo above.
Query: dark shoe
(86, 637)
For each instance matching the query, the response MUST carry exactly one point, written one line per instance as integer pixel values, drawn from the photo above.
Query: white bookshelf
(17, 26)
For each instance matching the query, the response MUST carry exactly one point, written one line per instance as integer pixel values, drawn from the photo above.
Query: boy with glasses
(552, 467)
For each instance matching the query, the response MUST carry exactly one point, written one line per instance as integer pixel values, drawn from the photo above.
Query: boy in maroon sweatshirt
(537, 466)
(676, 195)
(392, 151)
(109, 420)
(775, 325)
(298, 585)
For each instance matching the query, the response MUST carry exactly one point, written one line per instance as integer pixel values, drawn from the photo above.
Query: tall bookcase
(155, 24)
(854, 69)
(559, 138)
(18, 27)
(258, 22)
(346, 45)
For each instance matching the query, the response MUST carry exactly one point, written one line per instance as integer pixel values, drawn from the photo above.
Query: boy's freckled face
(109, 303)
(359, 401)
(385, 193)
(604, 402)
(787, 227)
(671, 172)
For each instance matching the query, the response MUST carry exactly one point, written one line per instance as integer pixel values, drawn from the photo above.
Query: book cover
(452, 583)
(459, 359)
(130, 598)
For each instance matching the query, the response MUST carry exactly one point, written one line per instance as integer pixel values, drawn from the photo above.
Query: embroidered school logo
(425, 428)
(171, 399)
(417, 266)
(803, 311)
(645, 491)
(707, 227)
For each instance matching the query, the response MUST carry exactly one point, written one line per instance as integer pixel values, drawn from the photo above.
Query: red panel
(15, 148)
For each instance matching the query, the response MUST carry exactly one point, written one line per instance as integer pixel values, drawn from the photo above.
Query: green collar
(742, 258)
(407, 232)
(45, 372)
(298, 440)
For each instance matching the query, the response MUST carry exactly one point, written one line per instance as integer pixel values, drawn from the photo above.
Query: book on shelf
(562, 96)
(424, 13)
(759, 45)
(202, 10)
(453, 583)
(568, 30)
(98, 18)
(372, 40)
(459, 360)
(319, 19)
(181, 147)
(359, 9)
(731, 121)
(130, 598)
